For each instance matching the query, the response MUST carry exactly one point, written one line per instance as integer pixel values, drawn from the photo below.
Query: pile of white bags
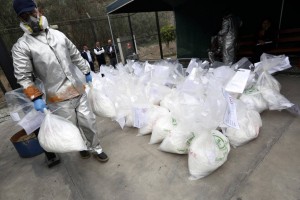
(183, 111)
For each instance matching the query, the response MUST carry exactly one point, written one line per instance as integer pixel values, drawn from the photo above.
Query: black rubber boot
(102, 157)
(52, 159)
(85, 154)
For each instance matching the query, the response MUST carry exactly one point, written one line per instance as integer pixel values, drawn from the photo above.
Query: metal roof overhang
(138, 6)
(133, 6)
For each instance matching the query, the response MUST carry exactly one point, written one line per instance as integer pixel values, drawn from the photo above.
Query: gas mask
(34, 25)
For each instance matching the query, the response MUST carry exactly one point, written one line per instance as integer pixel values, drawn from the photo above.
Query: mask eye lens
(26, 15)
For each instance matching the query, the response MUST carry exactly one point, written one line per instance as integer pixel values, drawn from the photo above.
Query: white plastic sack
(254, 100)
(101, 105)
(163, 126)
(272, 63)
(275, 100)
(223, 74)
(169, 101)
(156, 92)
(178, 140)
(214, 107)
(193, 84)
(153, 115)
(59, 135)
(249, 123)
(175, 98)
(265, 80)
(270, 90)
(208, 151)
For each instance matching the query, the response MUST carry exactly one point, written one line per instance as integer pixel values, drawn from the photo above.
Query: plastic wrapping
(178, 140)
(59, 135)
(272, 63)
(254, 100)
(223, 74)
(167, 101)
(192, 64)
(208, 151)
(18, 104)
(101, 105)
(155, 92)
(243, 63)
(162, 127)
(275, 100)
(270, 90)
(153, 113)
(249, 122)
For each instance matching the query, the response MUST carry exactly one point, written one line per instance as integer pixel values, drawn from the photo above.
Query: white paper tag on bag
(230, 118)
(32, 121)
(139, 117)
(238, 82)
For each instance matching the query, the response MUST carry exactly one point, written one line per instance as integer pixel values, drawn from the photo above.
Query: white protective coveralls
(52, 58)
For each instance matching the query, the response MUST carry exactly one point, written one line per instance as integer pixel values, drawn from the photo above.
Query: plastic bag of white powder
(208, 151)
(59, 135)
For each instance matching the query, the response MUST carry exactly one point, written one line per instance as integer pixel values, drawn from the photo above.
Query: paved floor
(266, 168)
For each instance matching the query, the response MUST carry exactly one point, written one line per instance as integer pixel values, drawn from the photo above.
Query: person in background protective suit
(228, 33)
(50, 56)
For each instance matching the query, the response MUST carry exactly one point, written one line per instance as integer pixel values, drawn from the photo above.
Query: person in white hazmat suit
(49, 55)
(228, 34)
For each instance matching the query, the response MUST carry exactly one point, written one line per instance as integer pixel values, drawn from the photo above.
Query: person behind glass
(48, 55)
(264, 39)
(228, 34)
(86, 54)
(99, 52)
(111, 51)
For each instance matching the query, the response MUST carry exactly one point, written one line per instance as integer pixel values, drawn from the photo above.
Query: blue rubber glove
(88, 78)
(39, 105)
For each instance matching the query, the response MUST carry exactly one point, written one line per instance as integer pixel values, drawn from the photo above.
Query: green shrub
(168, 34)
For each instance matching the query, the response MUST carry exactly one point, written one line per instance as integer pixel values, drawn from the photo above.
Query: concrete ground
(266, 168)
